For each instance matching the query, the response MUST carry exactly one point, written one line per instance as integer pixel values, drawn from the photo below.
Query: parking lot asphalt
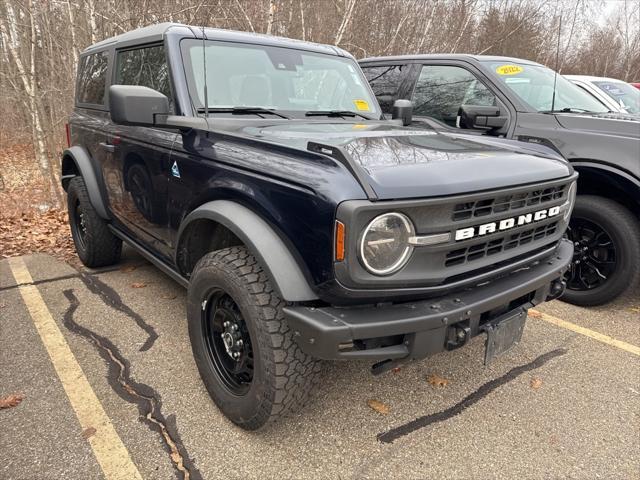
(561, 404)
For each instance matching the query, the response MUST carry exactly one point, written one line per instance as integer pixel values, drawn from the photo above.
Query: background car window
(92, 78)
(623, 94)
(441, 90)
(146, 67)
(385, 82)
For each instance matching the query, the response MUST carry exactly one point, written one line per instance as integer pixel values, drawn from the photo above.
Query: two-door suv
(259, 173)
(522, 100)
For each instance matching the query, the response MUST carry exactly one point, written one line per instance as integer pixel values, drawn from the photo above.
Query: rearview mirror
(481, 117)
(403, 110)
(135, 105)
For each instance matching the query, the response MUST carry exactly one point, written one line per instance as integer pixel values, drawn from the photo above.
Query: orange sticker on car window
(509, 69)
(361, 104)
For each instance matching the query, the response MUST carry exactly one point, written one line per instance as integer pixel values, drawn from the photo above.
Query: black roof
(156, 33)
(448, 56)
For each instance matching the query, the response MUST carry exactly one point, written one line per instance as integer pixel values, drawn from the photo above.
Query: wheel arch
(609, 182)
(76, 161)
(223, 223)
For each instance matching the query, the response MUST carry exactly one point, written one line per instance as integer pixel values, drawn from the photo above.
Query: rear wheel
(245, 352)
(606, 261)
(95, 244)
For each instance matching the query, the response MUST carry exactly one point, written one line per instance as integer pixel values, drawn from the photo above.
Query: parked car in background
(259, 173)
(522, 100)
(616, 95)
(635, 84)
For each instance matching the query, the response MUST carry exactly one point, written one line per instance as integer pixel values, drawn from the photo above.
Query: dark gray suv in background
(522, 100)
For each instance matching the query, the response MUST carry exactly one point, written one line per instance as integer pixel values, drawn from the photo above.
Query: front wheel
(606, 261)
(253, 369)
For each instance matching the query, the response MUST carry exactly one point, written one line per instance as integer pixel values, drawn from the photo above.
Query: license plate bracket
(503, 333)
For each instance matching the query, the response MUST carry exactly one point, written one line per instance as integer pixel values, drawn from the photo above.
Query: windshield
(534, 85)
(274, 78)
(622, 93)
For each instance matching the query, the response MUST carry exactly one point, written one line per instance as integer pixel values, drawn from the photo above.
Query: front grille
(506, 203)
(481, 250)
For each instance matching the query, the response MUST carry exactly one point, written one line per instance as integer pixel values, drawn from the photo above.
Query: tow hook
(556, 290)
(457, 336)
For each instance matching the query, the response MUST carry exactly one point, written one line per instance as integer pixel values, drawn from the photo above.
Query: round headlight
(384, 247)
(571, 199)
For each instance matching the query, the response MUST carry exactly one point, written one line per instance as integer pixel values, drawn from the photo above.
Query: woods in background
(40, 42)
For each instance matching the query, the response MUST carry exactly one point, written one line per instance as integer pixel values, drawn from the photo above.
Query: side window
(92, 78)
(146, 67)
(441, 90)
(385, 82)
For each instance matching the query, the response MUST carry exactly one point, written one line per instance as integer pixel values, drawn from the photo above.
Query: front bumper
(414, 330)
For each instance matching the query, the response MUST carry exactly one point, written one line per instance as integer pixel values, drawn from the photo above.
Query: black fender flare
(82, 161)
(262, 241)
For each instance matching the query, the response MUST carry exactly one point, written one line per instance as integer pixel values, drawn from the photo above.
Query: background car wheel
(95, 244)
(606, 261)
(245, 352)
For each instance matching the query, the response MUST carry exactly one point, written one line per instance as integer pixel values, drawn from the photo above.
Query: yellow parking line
(107, 446)
(627, 347)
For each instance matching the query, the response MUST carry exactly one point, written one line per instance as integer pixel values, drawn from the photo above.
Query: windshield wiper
(335, 113)
(569, 110)
(242, 111)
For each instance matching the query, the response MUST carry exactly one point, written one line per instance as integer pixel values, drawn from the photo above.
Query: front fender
(84, 167)
(263, 242)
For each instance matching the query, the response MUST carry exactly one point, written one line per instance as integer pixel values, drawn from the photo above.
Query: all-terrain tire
(95, 244)
(283, 375)
(624, 230)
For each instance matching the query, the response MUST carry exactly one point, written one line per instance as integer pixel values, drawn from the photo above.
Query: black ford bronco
(259, 173)
(522, 100)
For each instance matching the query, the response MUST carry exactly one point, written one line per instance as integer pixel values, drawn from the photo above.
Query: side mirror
(135, 105)
(403, 110)
(481, 117)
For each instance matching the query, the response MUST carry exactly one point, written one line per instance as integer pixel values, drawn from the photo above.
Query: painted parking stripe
(627, 347)
(113, 457)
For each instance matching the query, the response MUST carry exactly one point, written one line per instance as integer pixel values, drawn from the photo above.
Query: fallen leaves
(88, 432)
(168, 296)
(534, 314)
(535, 383)
(396, 369)
(635, 309)
(437, 381)
(128, 268)
(138, 285)
(10, 401)
(379, 407)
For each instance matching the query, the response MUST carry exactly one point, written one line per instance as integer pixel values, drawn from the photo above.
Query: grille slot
(506, 203)
(475, 252)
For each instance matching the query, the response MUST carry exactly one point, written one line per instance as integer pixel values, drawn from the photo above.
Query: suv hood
(405, 163)
(618, 124)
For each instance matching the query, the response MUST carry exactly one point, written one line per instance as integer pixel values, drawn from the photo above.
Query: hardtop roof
(156, 33)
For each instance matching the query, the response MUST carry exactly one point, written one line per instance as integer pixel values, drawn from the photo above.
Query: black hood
(406, 163)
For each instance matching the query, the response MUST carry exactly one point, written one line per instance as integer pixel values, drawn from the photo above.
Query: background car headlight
(384, 247)
(571, 199)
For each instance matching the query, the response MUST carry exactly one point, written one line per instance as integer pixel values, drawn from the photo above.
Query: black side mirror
(481, 117)
(135, 105)
(403, 110)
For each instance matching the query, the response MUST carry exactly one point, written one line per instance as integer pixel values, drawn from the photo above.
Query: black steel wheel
(95, 244)
(245, 351)
(606, 261)
(228, 342)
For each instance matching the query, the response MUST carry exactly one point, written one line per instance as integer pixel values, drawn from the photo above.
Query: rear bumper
(422, 328)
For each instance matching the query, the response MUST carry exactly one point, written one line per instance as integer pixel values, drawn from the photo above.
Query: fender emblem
(175, 171)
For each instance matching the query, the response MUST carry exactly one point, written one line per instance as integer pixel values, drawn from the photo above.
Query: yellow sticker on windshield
(358, 126)
(509, 69)
(361, 105)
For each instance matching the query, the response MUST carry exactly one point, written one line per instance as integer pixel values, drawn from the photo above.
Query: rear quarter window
(92, 79)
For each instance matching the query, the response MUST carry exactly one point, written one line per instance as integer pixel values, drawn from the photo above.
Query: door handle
(108, 147)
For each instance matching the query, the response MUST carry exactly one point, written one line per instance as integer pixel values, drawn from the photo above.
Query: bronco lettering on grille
(506, 224)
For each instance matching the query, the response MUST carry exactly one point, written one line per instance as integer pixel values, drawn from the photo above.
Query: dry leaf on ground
(396, 369)
(88, 432)
(12, 400)
(635, 309)
(138, 285)
(379, 407)
(536, 383)
(534, 314)
(127, 268)
(437, 381)
(168, 296)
